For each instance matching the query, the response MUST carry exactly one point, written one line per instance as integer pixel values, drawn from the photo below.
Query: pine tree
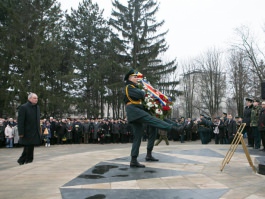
(138, 30)
(90, 33)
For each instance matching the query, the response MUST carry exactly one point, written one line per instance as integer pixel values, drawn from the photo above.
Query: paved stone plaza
(94, 171)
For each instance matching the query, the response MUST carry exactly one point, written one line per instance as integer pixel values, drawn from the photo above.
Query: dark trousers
(203, 132)
(152, 134)
(248, 129)
(138, 130)
(27, 154)
(262, 135)
(256, 137)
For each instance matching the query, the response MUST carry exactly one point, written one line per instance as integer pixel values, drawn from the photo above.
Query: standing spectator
(91, 131)
(61, 131)
(106, 126)
(2, 133)
(9, 136)
(115, 131)
(194, 130)
(69, 135)
(29, 128)
(219, 131)
(225, 138)
(123, 132)
(16, 135)
(246, 119)
(86, 131)
(231, 128)
(53, 125)
(96, 128)
(47, 133)
(183, 133)
(77, 132)
(262, 124)
(238, 121)
(254, 122)
(189, 129)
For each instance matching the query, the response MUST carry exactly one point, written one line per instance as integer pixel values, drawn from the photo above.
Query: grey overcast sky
(198, 25)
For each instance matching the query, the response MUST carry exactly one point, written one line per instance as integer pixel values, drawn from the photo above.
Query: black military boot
(149, 156)
(135, 163)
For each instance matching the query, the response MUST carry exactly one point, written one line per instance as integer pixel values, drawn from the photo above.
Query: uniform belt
(128, 103)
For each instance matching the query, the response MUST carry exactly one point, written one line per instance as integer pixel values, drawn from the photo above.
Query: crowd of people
(86, 131)
(103, 131)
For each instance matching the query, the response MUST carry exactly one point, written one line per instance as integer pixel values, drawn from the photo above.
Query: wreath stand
(237, 139)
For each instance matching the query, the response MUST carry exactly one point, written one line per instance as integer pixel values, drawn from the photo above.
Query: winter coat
(29, 124)
(247, 115)
(9, 132)
(255, 116)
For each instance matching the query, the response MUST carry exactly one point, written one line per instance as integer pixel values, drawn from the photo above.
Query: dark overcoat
(29, 124)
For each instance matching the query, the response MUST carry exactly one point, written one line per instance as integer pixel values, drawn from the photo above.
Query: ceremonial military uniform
(254, 122)
(163, 136)
(137, 116)
(203, 130)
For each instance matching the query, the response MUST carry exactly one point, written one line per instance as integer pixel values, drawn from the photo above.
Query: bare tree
(188, 84)
(212, 83)
(252, 51)
(239, 76)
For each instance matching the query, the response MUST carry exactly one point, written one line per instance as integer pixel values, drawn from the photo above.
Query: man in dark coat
(137, 116)
(246, 119)
(29, 128)
(231, 128)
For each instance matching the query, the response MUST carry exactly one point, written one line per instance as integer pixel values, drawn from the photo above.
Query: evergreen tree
(31, 47)
(89, 33)
(138, 30)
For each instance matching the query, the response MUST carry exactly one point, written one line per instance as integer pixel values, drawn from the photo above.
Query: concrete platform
(91, 171)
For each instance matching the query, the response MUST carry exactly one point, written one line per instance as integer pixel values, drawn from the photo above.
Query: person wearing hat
(203, 129)
(246, 119)
(137, 117)
(254, 121)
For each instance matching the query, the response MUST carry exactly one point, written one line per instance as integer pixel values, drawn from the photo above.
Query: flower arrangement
(155, 102)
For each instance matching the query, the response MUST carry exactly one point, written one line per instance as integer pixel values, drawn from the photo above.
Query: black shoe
(250, 146)
(151, 158)
(20, 163)
(135, 163)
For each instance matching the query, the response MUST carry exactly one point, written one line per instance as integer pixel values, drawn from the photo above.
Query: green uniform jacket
(254, 120)
(134, 111)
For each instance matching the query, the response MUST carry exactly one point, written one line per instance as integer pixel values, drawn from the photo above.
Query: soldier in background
(203, 129)
(162, 136)
(254, 122)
